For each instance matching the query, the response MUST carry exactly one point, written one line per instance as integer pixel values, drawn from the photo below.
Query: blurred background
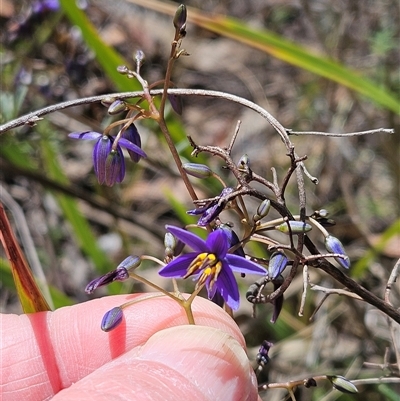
(72, 229)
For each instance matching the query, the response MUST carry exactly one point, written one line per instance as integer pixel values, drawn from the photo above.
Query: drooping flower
(211, 210)
(121, 273)
(109, 164)
(210, 264)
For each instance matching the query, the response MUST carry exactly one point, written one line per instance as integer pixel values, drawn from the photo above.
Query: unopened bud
(333, 245)
(277, 264)
(296, 227)
(244, 164)
(197, 170)
(112, 319)
(108, 101)
(180, 19)
(116, 107)
(262, 210)
(342, 384)
(130, 263)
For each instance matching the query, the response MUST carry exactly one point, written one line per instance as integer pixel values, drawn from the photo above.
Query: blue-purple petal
(90, 135)
(217, 243)
(131, 146)
(242, 265)
(114, 167)
(101, 150)
(227, 287)
(195, 242)
(179, 266)
(132, 135)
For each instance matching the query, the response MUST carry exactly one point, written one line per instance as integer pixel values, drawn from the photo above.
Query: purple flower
(109, 164)
(210, 264)
(211, 210)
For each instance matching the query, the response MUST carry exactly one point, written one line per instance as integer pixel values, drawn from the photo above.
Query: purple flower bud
(262, 357)
(296, 227)
(197, 170)
(277, 264)
(180, 18)
(333, 245)
(342, 384)
(112, 319)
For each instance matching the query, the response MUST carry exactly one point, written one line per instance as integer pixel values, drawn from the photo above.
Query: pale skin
(153, 355)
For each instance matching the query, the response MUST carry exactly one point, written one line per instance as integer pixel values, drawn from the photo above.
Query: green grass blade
(108, 58)
(285, 50)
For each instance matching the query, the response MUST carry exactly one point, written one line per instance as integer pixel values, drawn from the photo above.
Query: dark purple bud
(180, 19)
(116, 107)
(310, 382)
(176, 103)
(277, 264)
(262, 357)
(277, 303)
(119, 274)
(233, 239)
(197, 170)
(101, 150)
(112, 319)
(333, 245)
(132, 135)
(296, 227)
(342, 384)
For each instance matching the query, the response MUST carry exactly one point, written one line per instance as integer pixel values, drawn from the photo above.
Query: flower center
(209, 266)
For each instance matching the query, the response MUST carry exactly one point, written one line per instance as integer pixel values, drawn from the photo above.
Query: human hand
(152, 355)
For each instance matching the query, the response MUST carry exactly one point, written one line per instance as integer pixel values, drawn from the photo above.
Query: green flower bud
(118, 106)
(262, 210)
(197, 170)
(342, 384)
(296, 227)
(108, 101)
